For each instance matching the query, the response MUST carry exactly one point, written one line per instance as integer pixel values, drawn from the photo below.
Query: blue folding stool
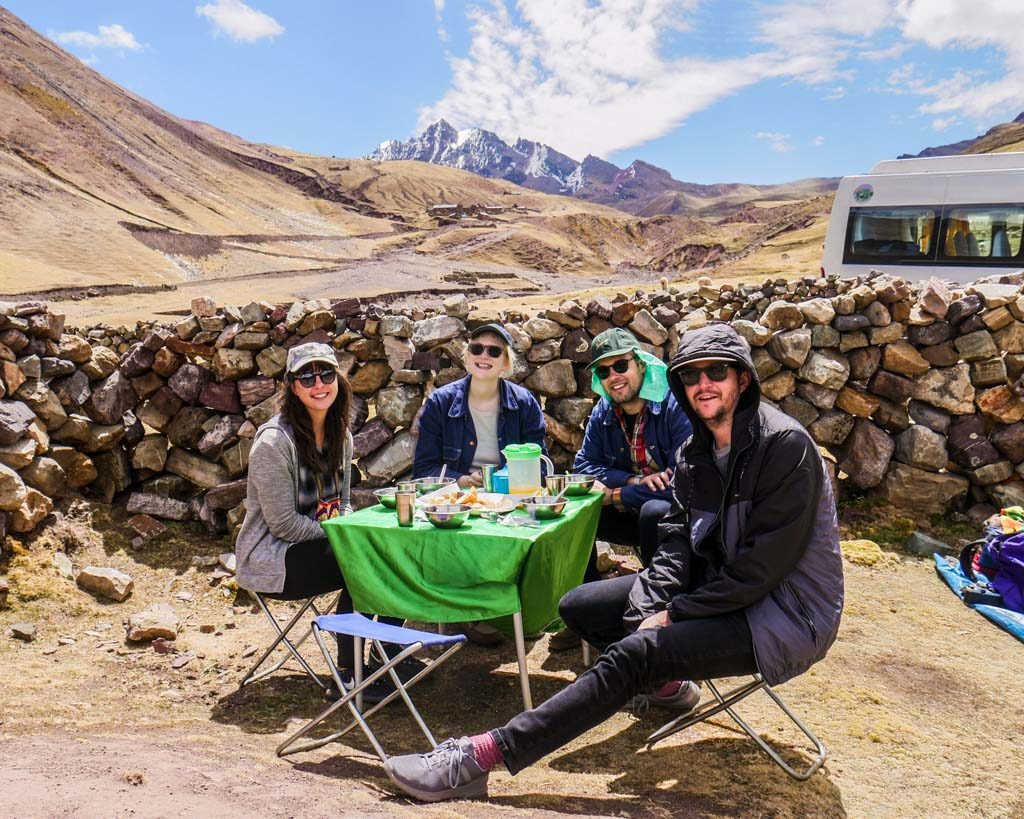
(361, 628)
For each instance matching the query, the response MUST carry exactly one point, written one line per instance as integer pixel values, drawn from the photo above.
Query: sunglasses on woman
(619, 366)
(308, 379)
(716, 372)
(493, 350)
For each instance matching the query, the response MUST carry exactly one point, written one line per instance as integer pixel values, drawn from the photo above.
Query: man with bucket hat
(629, 446)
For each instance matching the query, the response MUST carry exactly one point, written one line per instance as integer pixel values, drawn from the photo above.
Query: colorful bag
(1009, 581)
(997, 563)
(328, 508)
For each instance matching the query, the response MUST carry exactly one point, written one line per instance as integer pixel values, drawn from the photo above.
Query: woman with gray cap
(299, 475)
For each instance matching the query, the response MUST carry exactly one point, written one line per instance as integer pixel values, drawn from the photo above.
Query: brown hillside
(99, 188)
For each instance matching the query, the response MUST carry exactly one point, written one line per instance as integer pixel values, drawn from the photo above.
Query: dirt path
(918, 703)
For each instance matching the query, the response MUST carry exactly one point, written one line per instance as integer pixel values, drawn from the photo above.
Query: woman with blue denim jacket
(467, 423)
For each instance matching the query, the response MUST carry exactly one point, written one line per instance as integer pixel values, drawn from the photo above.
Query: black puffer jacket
(763, 540)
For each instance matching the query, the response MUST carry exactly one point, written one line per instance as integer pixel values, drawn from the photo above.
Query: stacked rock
(915, 391)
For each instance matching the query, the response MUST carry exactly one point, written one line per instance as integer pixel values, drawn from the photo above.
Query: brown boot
(563, 640)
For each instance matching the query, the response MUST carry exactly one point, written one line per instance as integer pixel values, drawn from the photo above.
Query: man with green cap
(630, 446)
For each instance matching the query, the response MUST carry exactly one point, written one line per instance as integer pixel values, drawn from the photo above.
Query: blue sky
(747, 90)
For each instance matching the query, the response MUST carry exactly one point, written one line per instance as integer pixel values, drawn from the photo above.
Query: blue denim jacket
(447, 434)
(605, 452)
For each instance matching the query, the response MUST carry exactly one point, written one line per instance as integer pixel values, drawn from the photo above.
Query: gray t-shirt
(722, 459)
(486, 424)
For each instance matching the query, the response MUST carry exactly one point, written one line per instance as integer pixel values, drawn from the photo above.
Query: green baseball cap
(615, 341)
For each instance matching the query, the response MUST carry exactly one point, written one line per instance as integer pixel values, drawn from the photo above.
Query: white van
(955, 217)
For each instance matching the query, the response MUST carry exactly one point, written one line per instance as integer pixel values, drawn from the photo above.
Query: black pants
(629, 528)
(630, 664)
(312, 569)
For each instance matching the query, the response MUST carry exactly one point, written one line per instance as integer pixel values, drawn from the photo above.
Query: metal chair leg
(725, 703)
(524, 675)
(282, 639)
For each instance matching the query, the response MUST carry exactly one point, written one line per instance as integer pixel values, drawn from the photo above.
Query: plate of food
(478, 500)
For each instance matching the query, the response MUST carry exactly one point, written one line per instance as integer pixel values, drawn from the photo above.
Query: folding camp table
(480, 571)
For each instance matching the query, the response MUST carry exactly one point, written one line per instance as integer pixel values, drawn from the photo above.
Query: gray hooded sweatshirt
(273, 521)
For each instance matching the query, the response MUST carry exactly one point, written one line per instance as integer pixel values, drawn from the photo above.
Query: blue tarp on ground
(950, 571)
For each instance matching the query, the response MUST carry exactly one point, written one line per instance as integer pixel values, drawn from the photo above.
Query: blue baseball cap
(497, 329)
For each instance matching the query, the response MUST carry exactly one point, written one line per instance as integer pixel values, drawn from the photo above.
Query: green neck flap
(655, 384)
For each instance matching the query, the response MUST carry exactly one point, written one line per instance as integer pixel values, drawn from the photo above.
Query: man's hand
(659, 620)
(472, 479)
(658, 481)
(608, 494)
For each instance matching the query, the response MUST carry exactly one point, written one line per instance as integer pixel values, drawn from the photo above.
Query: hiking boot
(450, 771)
(480, 633)
(681, 696)
(406, 669)
(372, 694)
(563, 640)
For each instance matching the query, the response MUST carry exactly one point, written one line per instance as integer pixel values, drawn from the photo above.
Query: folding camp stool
(290, 648)
(725, 703)
(361, 628)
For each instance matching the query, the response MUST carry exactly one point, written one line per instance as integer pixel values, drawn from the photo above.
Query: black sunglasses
(308, 379)
(619, 366)
(493, 350)
(716, 372)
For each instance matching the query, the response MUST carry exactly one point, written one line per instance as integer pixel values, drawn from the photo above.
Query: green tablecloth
(479, 571)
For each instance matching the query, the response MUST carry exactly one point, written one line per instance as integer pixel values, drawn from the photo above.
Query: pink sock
(486, 751)
(669, 689)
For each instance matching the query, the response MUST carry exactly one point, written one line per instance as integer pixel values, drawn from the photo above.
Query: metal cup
(555, 483)
(405, 506)
(407, 486)
(487, 473)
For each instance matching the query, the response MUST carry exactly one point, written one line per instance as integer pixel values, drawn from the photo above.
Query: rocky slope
(1007, 136)
(642, 189)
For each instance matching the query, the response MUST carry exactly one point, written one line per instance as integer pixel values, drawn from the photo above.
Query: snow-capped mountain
(641, 188)
(526, 163)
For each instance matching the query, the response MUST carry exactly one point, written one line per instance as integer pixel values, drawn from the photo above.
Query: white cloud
(978, 24)
(942, 123)
(442, 32)
(112, 36)
(597, 76)
(778, 142)
(818, 141)
(881, 54)
(239, 21)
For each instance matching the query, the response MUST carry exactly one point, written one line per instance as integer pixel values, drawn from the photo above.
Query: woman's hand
(472, 479)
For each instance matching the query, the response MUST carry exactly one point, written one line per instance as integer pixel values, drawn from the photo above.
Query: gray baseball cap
(302, 355)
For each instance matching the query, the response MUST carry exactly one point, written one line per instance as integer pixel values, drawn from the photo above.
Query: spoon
(444, 468)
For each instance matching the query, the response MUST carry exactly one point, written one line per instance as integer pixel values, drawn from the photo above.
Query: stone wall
(914, 391)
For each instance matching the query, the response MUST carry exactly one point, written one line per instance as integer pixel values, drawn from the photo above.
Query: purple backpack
(1009, 580)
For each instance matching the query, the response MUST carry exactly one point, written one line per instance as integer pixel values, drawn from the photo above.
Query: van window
(983, 233)
(879, 234)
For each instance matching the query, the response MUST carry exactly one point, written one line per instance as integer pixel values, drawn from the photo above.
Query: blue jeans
(630, 664)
